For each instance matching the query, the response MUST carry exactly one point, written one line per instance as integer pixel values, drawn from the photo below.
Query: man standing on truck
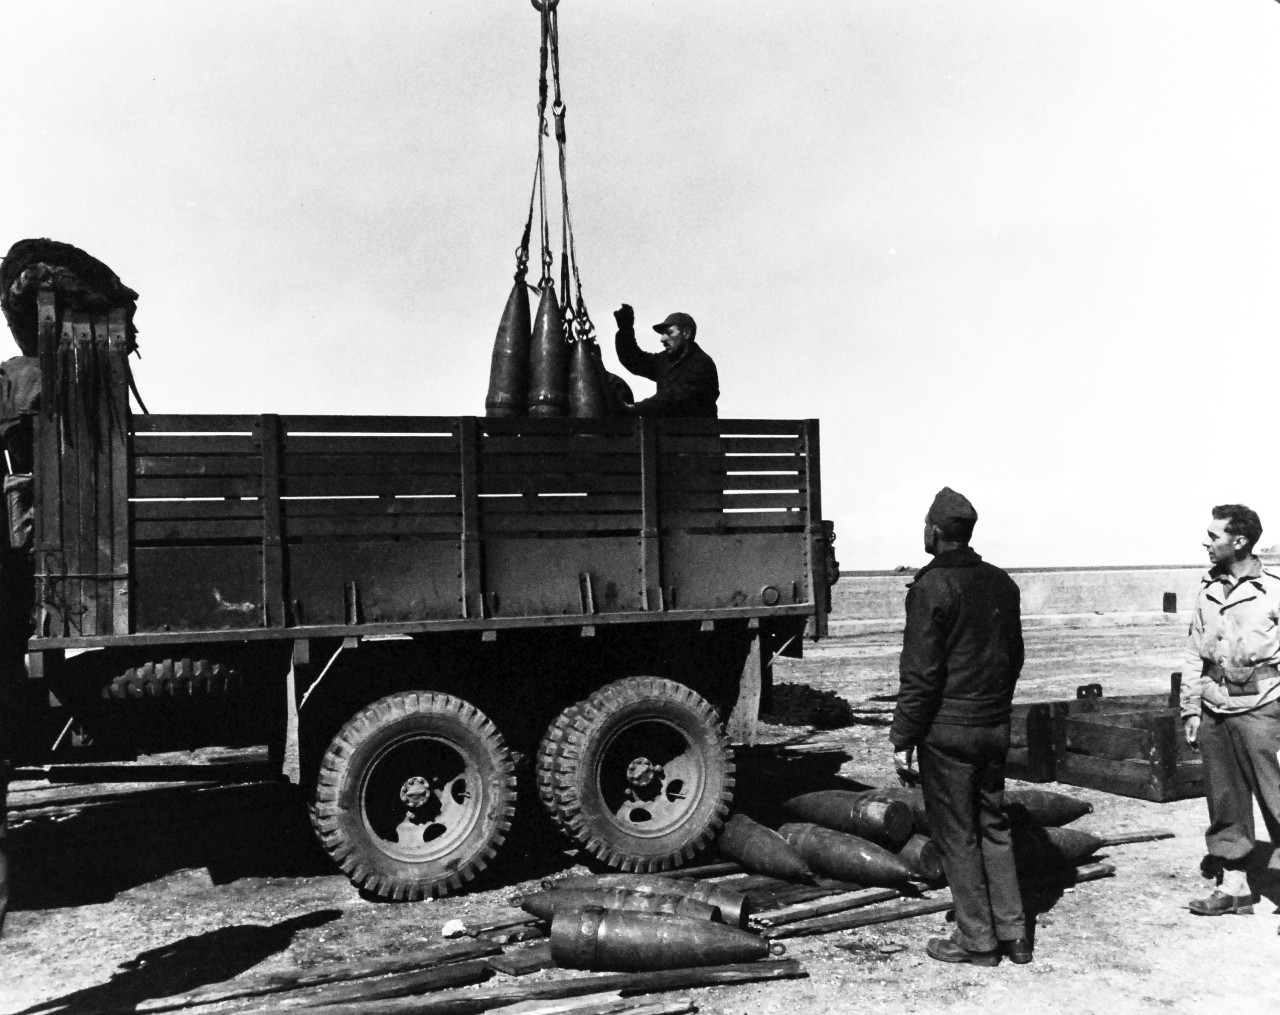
(961, 656)
(1231, 703)
(688, 384)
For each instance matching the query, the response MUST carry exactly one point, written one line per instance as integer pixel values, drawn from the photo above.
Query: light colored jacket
(1233, 647)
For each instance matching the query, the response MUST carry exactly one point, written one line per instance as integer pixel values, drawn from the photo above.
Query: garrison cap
(953, 514)
(679, 320)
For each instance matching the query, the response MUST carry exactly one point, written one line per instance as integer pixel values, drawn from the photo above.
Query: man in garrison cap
(688, 384)
(1231, 704)
(961, 656)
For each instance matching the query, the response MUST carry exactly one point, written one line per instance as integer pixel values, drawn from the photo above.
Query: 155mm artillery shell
(909, 795)
(603, 939)
(1036, 848)
(734, 908)
(588, 396)
(548, 360)
(1043, 807)
(887, 822)
(922, 856)
(509, 367)
(761, 850)
(546, 904)
(844, 856)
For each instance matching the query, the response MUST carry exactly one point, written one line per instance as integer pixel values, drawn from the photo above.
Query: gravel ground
(101, 925)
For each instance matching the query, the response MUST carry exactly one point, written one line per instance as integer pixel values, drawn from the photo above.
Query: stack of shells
(637, 922)
(540, 372)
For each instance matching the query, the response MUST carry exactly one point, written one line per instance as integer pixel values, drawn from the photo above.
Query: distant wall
(880, 595)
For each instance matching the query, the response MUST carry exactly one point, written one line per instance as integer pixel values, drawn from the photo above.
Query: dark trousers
(1240, 765)
(962, 777)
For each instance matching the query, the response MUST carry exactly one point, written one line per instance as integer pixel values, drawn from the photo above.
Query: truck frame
(422, 617)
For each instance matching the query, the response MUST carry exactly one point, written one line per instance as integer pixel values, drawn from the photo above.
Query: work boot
(945, 950)
(1018, 950)
(1220, 904)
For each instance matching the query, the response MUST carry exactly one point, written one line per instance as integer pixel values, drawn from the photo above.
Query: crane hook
(546, 5)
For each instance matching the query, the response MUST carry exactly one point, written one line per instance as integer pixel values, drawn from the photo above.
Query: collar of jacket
(1219, 573)
(963, 557)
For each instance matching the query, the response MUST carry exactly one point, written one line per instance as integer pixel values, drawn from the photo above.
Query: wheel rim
(651, 777)
(421, 797)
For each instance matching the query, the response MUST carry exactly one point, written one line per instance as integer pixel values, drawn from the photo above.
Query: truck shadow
(90, 856)
(184, 965)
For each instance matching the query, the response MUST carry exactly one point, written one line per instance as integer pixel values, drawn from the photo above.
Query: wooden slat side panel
(201, 444)
(715, 500)
(197, 530)
(617, 427)
(560, 483)
(506, 462)
(699, 427)
(731, 520)
(180, 510)
(306, 507)
(446, 426)
(149, 488)
(676, 444)
(565, 523)
(179, 466)
(619, 443)
(368, 444)
(373, 526)
(567, 504)
(157, 422)
(423, 463)
(687, 481)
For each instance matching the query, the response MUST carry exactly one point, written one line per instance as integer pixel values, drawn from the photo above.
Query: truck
(424, 619)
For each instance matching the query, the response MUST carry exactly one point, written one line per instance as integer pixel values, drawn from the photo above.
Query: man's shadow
(184, 965)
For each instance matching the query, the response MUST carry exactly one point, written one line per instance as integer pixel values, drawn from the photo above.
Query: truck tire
(415, 795)
(173, 678)
(640, 774)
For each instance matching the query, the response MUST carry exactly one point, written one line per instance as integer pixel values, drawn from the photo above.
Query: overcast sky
(1027, 250)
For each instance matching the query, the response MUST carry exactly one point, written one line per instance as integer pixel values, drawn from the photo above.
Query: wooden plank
(375, 525)
(159, 422)
(204, 530)
(446, 426)
(724, 427)
(815, 545)
(556, 503)
(616, 427)
(163, 510)
(175, 466)
(105, 424)
(389, 485)
(677, 500)
(1138, 835)
(582, 482)
(622, 442)
(366, 445)
(1103, 740)
(651, 577)
(297, 508)
(146, 443)
(675, 444)
(274, 589)
(82, 395)
(471, 1001)
(850, 921)
(470, 548)
(733, 520)
(424, 463)
(275, 983)
(146, 488)
(825, 906)
(492, 463)
(583, 522)
(740, 462)
(684, 481)
(523, 960)
(121, 471)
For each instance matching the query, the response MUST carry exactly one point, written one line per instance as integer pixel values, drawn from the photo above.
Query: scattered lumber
(825, 906)
(522, 961)
(849, 921)
(1141, 835)
(428, 958)
(381, 989)
(472, 1001)
(596, 1004)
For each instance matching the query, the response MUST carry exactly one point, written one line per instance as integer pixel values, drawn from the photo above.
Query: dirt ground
(201, 890)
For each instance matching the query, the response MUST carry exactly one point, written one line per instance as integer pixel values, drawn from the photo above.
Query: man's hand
(904, 762)
(1191, 727)
(626, 317)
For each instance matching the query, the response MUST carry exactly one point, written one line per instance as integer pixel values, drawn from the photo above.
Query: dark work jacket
(962, 648)
(687, 387)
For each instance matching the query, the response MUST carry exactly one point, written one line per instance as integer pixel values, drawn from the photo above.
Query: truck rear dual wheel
(415, 795)
(640, 774)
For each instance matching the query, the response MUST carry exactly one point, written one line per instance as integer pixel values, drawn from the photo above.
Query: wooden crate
(1035, 731)
(1140, 754)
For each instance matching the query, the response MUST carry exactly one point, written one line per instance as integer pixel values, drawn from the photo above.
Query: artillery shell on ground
(734, 908)
(1043, 807)
(546, 904)
(548, 360)
(1035, 848)
(761, 850)
(603, 939)
(509, 367)
(844, 856)
(887, 822)
(909, 795)
(922, 856)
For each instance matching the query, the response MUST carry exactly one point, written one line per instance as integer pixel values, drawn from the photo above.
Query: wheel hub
(642, 772)
(415, 793)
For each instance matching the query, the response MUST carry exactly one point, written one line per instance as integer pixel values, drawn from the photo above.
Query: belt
(1241, 688)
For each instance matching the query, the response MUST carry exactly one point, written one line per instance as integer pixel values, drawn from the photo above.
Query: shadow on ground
(184, 965)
